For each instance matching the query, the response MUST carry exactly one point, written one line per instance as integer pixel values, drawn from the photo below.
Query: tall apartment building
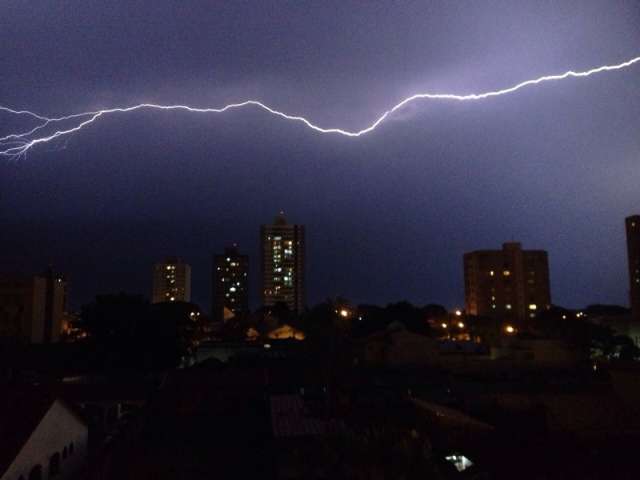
(171, 281)
(282, 249)
(32, 308)
(509, 284)
(633, 251)
(230, 280)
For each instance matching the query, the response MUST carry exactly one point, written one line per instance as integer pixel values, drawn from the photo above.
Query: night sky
(388, 215)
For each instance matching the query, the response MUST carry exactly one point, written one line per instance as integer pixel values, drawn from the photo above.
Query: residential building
(633, 250)
(171, 281)
(32, 308)
(511, 284)
(230, 280)
(283, 251)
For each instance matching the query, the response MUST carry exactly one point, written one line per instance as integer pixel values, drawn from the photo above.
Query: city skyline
(554, 166)
(485, 261)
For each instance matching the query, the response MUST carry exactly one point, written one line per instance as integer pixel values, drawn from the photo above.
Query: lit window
(533, 306)
(506, 273)
(508, 306)
(492, 273)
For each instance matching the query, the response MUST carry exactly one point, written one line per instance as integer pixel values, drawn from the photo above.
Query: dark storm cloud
(389, 215)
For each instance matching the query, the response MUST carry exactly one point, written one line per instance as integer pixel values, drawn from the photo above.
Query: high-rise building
(282, 248)
(230, 279)
(633, 250)
(171, 281)
(509, 284)
(32, 309)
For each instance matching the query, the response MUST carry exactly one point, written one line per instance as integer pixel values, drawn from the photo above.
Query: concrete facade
(171, 281)
(633, 250)
(511, 284)
(32, 309)
(283, 260)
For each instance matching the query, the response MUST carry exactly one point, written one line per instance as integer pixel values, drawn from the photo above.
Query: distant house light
(459, 461)
(533, 306)
(506, 273)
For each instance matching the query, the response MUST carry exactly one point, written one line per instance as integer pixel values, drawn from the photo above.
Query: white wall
(58, 429)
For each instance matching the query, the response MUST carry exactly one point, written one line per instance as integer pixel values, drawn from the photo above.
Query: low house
(538, 352)
(41, 437)
(397, 346)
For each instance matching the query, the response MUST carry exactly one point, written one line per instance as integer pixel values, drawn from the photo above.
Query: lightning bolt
(16, 145)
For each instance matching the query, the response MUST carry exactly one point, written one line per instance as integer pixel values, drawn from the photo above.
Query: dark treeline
(127, 333)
